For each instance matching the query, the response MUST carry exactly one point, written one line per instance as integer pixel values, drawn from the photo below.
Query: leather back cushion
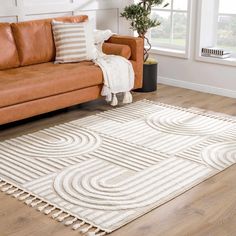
(34, 39)
(8, 53)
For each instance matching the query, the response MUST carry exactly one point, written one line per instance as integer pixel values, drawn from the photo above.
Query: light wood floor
(208, 209)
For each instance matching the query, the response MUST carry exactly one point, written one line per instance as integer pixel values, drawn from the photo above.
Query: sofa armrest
(137, 47)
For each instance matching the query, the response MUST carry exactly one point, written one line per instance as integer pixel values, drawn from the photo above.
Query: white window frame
(202, 37)
(224, 14)
(176, 52)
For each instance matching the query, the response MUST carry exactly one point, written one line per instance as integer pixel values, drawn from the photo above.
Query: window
(217, 28)
(226, 26)
(173, 33)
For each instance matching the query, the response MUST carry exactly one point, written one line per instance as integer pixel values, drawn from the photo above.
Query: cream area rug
(98, 173)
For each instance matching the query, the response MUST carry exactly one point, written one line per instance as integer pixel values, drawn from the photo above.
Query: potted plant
(139, 15)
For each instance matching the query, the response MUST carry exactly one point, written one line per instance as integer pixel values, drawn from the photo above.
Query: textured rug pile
(98, 173)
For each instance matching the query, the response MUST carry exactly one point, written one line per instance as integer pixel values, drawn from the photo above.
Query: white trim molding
(227, 62)
(105, 14)
(169, 52)
(197, 87)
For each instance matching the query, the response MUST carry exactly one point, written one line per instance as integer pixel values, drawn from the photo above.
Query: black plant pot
(149, 78)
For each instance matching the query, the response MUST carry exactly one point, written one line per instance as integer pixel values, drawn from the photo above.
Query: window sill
(169, 52)
(228, 61)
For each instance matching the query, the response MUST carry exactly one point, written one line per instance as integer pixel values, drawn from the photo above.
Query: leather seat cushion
(8, 53)
(43, 80)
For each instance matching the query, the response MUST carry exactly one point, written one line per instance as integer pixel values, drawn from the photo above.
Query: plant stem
(146, 51)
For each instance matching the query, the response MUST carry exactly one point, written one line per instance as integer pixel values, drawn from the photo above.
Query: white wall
(189, 73)
(105, 12)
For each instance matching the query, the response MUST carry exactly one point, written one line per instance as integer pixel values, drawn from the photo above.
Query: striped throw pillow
(74, 41)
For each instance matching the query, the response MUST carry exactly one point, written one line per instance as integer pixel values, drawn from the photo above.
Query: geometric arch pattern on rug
(60, 142)
(87, 184)
(185, 123)
(220, 155)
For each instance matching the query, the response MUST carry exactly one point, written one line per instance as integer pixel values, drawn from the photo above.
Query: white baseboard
(197, 87)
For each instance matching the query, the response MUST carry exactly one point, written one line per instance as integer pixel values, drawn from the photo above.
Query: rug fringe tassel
(35, 203)
(192, 110)
(16, 195)
(12, 190)
(50, 210)
(85, 229)
(93, 233)
(70, 222)
(29, 201)
(3, 184)
(63, 217)
(55, 215)
(5, 189)
(41, 208)
(24, 197)
(78, 225)
(96, 233)
(47, 208)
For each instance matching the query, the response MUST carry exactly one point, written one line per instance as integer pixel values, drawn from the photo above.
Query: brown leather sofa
(31, 84)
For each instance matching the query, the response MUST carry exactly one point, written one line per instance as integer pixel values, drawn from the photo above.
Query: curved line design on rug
(98, 173)
(185, 123)
(56, 142)
(87, 185)
(220, 155)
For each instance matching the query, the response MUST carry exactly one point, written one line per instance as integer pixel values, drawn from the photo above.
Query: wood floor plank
(208, 209)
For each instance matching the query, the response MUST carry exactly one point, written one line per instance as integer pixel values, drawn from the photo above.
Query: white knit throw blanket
(118, 73)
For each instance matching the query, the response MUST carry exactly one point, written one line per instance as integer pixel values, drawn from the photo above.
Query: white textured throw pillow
(74, 41)
(102, 35)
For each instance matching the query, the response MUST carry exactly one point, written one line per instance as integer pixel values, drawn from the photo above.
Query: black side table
(149, 78)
